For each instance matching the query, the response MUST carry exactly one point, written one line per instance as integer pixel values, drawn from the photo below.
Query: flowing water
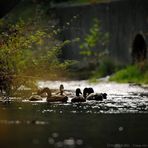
(119, 121)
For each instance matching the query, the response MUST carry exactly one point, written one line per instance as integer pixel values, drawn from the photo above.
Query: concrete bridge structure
(122, 19)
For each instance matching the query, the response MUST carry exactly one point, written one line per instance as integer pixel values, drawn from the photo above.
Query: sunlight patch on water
(121, 98)
(70, 142)
(35, 122)
(109, 88)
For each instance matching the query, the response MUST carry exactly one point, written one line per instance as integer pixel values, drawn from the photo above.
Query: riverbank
(132, 74)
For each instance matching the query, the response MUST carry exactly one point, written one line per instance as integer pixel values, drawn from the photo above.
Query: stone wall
(121, 19)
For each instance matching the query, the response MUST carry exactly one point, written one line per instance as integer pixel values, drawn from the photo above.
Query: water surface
(119, 121)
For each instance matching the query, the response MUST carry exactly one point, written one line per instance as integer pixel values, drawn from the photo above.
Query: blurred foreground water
(119, 121)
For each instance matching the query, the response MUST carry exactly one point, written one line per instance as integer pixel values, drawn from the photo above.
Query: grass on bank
(133, 73)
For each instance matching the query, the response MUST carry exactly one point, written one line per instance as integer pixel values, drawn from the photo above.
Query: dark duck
(89, 94)
(50, 97)
(36, 97)
(78, 97)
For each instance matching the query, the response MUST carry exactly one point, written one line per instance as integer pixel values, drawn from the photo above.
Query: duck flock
(62, 95)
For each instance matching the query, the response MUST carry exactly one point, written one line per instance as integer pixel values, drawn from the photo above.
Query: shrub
(132, 73)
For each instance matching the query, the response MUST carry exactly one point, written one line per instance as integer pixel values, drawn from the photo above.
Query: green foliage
(106, 67)
(94, 38)
(29, 51)
(95, 52)
(132, 73)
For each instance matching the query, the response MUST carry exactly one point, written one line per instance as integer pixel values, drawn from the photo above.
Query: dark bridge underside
(139, 49)
(6, 6)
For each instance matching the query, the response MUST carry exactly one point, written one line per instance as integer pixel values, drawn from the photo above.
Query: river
(119, 121)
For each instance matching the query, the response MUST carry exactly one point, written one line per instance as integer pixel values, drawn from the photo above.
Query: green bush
(132, 73)
(106, 67)
(29, 51)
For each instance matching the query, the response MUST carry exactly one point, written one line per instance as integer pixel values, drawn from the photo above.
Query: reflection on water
(122, 98)
(119, 121)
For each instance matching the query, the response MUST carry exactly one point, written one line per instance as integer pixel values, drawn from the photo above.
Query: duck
(89, 94)
(61, 90)
(96, 96)
(87, 91)
(50, 97)
(35, 97)
(78, 97)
